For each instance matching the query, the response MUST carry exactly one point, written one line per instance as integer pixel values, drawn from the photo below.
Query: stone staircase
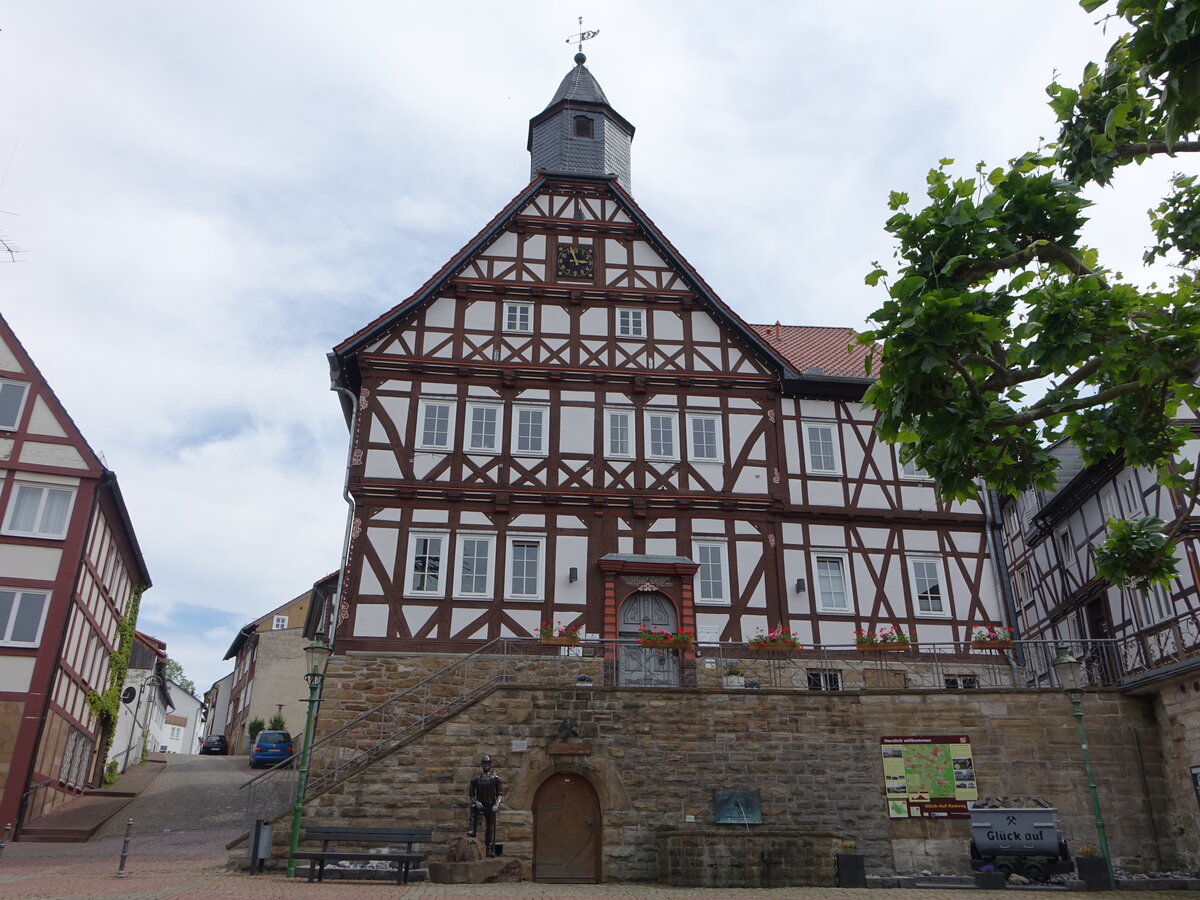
(399, 720)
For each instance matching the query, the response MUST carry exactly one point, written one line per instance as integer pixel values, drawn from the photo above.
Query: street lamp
(316, 655)
(1070, 679)
(150, 681)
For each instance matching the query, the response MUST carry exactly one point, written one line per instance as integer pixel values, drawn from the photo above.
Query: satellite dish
(128, 694)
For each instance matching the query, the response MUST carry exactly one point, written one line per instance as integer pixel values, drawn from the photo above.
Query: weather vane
(582, 36)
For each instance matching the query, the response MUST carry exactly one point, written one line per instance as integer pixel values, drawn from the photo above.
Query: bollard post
(4, 837)
(121, 873)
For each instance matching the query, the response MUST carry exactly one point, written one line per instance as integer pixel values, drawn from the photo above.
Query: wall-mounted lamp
(799, 585)
(572, 574)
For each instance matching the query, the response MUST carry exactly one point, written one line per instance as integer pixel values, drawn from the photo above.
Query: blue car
(269, 748)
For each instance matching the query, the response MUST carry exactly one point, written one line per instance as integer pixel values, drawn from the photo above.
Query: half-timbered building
(566, 424)
(69, 568)
(567, 427)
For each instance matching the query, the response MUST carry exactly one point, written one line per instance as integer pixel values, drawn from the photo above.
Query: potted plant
(994, 637)
(893, 638)
(778, 638)
(559, 635)
(1092, 868)
(583, 680)
(734, 676)
(851, 867)
(752, 684)
(656, 637)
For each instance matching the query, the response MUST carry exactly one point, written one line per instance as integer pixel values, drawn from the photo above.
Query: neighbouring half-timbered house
(567, 424)
(69, 568)
(1143, 642)
(1050, 536)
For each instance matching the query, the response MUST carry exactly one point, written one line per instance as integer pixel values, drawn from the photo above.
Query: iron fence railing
(466, 679)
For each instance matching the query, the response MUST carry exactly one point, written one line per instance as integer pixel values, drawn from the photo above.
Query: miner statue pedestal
(466, 862)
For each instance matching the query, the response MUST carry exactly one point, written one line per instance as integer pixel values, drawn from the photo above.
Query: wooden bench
(332, 835)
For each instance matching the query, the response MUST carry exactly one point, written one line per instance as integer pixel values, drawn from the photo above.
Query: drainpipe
(1000, 574)
(336, 385)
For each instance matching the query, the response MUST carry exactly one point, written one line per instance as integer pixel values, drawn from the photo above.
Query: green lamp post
(316, 655)
(1070, 679)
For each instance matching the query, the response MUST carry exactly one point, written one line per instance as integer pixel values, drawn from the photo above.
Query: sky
(208, 197)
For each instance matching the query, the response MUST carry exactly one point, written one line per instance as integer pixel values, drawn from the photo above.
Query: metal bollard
(121, 873)
(4, 838)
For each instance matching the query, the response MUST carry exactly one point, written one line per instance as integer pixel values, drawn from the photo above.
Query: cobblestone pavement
(184, 819)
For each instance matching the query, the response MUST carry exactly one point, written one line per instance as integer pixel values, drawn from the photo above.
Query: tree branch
(1088, 368)
(1047, 252)
(1036, 413)
(1150, 148)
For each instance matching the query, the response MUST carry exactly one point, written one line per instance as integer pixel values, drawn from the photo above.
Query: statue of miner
(485, 795)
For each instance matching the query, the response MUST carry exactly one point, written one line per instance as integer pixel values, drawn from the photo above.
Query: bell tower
(579, 132)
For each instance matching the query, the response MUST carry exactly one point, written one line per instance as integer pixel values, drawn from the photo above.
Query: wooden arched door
(566, 831)
(647, 666)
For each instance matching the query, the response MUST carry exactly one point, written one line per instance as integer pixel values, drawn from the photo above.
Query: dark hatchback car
(269, 748)
(216, 744)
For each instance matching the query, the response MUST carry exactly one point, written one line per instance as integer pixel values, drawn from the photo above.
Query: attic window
(583, 127)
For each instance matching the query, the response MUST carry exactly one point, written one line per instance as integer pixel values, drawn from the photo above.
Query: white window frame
(1157, 605)
(411, 558)
(518, 318)
(630, 417)
(423, 409)
(469, 427)
(722, 548)
(910, 471)
(1132, 498)
(813, 468)
(489, 539)
(1108, 510)
(718, 438)
(943, 595)
(37, 531)
(843, 559)
(631, 323)
(23, 387)
(673, 418)
(19, 598)
(279, 622)
(544, 435)
(1066, 551)
(511, 541)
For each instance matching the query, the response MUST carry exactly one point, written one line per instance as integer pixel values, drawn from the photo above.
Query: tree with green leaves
(174, 671)
(277, 723)
(1003, 332)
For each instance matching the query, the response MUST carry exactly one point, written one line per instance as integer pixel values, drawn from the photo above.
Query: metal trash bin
(258, 846)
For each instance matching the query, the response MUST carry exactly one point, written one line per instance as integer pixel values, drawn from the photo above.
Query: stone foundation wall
(656, 756)
(1177, 706)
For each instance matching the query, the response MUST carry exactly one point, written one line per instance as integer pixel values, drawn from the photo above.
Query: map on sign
(928, 776)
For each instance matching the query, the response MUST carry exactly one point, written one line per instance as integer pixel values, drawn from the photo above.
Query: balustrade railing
(466, 679)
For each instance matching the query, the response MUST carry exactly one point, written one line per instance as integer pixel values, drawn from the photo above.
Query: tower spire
(579, 133)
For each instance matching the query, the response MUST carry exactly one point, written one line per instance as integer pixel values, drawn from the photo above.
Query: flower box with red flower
(994, 637)
(887, 639)
(559, 635)
(665, 639)
(778, 639)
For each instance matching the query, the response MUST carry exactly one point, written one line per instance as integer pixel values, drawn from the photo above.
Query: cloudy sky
(208, 197)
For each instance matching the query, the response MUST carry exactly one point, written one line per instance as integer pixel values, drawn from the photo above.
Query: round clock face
(574, 261)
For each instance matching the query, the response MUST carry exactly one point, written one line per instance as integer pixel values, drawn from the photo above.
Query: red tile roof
(817, 346)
